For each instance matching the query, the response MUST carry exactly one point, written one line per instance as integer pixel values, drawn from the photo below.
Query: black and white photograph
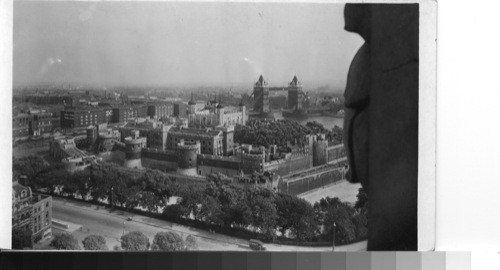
(223, 126)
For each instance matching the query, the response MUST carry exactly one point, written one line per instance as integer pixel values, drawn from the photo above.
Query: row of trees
(163, 241)
(279, 132)
(132, 241)
(215, 202)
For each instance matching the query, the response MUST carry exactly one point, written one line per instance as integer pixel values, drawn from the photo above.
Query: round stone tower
(191, 105)
(187, 154)
(133, 148)
(253, 161)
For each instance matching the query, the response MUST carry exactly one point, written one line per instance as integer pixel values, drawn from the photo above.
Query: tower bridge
(261, 91)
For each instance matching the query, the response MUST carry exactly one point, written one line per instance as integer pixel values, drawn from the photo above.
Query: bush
(65, 241)
(94, 242)
(191, 243)
(135, 241)
(168, 241)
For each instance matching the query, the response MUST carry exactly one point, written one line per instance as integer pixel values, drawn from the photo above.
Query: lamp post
(123, 233)
(112, 193)
(334, 227)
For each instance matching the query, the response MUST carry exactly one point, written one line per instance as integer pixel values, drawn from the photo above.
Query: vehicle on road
(256, 244)
(129, 219)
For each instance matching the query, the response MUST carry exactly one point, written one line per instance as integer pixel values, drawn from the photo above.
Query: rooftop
(194, 131)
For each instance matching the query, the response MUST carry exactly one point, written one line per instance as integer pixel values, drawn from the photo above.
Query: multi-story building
(21, 125)
(154, 131)
(108, 112)
(75, 117)
(214, 114)
(180, 110)
(41, 123)
(160, 110)
(71, 157)
(123, 113)
(33, 211)
(211, 140)
(33, 123)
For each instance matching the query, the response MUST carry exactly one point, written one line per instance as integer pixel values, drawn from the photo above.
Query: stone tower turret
(191, 105)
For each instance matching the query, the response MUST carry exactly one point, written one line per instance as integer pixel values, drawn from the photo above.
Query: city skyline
(184, 44)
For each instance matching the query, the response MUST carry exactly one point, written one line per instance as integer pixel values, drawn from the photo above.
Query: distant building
(41, 123)
(100, 138)
(73, 158)
(33, 123)
(155, 131)
(33, 211)
(211, 140)
(75, 117)
(44, 99)
(123, 113)
(21, 125)
(160, 110)
(180, 110)
(214, 114)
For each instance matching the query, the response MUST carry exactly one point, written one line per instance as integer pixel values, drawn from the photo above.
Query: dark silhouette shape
(381, 120)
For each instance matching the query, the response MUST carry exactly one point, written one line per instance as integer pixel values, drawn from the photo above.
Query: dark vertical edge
(184, 261)
(259, 260)
(234, 260)
(209, 260)
(158, 260)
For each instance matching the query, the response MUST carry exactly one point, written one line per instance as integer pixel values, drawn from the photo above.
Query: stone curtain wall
(284, 167)
(301, 184)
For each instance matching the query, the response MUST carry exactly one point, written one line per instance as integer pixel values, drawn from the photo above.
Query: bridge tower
(261, 96)
(295, 94)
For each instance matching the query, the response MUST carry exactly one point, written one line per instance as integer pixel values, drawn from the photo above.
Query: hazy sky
(180, 43)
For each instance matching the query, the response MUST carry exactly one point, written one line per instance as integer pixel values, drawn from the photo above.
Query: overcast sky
(180, 43)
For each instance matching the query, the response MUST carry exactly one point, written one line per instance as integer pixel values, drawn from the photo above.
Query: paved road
(344, 190)
(112, 224)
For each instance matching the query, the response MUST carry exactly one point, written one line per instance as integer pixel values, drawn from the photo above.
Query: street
(112, 224)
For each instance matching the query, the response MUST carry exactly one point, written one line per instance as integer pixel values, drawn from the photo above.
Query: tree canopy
(65, 241)
(135, 241)
(279, 132)
(94, 242)
(168, 241)
(191, 243)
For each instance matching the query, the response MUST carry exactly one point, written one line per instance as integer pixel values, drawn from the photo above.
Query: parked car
(256, 244)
